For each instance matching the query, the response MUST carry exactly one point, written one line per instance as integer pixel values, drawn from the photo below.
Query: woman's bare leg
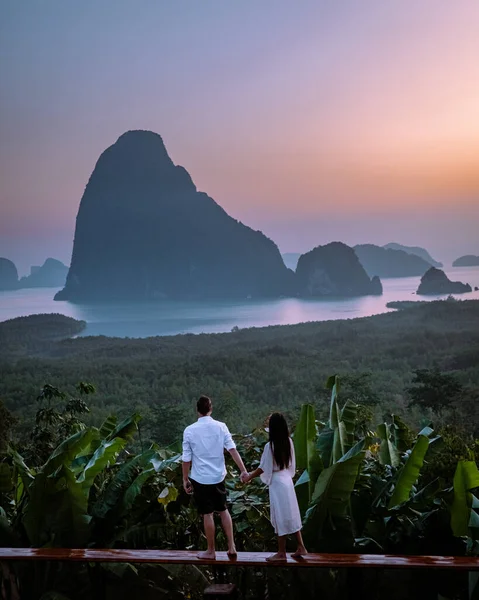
(281, 554)
(301, 549)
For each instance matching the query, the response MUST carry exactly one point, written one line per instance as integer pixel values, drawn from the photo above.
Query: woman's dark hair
(279, 439)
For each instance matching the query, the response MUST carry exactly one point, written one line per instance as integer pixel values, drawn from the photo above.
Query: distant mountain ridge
(417, 250)
(144, 231)
(386, 262)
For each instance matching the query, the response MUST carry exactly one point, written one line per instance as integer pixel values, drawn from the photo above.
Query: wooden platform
(244, 559)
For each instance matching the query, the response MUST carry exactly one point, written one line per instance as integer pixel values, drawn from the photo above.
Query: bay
(144, 319)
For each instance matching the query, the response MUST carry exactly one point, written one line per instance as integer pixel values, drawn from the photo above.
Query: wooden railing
(244, 559)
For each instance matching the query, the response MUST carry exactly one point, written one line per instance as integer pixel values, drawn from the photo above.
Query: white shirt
(204, 444)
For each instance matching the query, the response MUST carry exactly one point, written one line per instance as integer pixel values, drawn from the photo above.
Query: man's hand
(244, 477)
(187, 486)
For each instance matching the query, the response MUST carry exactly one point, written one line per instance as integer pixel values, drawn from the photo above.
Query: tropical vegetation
(361, 488)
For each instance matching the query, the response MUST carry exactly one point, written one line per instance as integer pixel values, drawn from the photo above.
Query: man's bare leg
(301, 549)
(227, 524)
(281, 554)
(209, 525)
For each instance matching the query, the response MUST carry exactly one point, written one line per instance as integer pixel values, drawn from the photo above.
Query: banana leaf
(400, 434)
(26, 474)
(466, 478)
(126, 429)
(325, 446)
(57, 511)
(105, 455)
(134, 490)
(307, 457)
(67, 451)
(333, 490)
(332, 383)
(409, 473)
(108, 426)
(388, 452)
(126, 474)
(348, 418)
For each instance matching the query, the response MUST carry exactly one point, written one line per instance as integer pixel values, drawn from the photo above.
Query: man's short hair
(204, 405)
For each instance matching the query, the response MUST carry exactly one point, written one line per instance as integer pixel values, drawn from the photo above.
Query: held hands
(245, 477)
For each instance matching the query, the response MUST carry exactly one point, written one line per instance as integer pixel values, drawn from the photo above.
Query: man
(204, 444)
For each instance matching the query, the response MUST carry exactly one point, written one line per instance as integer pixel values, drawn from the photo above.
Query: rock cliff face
(469, 260)
(417, 250)
(334, 270)
(8, 275)
(385, 262)
(436, 281)
(144, 231)
(52, 273)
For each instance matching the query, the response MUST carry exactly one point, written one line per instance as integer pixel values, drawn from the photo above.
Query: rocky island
(436, 281)
(469, 260)
(334, 270)
(416, 250)
(8, 275)
(52, 273)
(387, 262)
(143, 231)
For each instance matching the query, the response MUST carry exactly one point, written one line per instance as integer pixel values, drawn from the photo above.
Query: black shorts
(209, 498)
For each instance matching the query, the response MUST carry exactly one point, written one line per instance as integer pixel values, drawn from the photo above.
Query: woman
(276, 469)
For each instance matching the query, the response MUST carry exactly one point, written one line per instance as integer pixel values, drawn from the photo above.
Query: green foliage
(388, 451)
(332, 491)
(248, 373)
(7, 422)
(308, 460)
(434, 389)
(387, 491)
(466, 479)
(409, 473)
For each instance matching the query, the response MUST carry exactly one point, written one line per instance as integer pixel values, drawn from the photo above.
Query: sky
(313, 121)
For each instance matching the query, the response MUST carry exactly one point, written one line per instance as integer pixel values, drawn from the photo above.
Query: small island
(468, 260)
(8, 275)
(334, 270)
(52, 273)
(436, 281)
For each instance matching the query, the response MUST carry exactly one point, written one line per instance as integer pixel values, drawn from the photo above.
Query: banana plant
(308, 460)
(463, 514)
(337, 438)
(332, 492)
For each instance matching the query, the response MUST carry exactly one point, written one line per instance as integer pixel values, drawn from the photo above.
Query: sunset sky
(352, 120)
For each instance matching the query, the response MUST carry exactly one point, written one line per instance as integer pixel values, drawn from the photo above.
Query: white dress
(285, 515)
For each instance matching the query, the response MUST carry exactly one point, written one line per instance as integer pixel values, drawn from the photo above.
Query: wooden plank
(244, 559)
(217, 590)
